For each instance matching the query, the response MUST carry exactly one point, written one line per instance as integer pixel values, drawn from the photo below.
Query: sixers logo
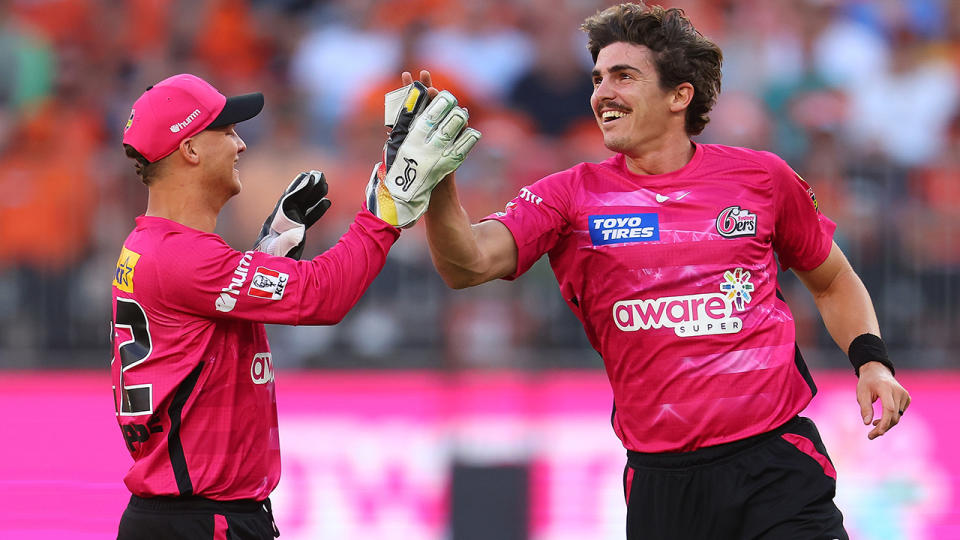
(735, 222)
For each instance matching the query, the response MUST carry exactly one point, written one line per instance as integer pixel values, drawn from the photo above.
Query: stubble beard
(616, 143)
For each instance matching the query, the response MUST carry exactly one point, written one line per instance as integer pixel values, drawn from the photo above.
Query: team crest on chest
(734, 222)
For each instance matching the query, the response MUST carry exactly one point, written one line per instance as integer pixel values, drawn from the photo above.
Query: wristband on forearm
(868, 348)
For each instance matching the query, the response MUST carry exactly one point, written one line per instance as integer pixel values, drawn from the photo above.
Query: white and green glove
(421, 150)
(300, 206)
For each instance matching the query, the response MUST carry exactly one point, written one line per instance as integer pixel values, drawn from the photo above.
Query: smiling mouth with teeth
(610, 115)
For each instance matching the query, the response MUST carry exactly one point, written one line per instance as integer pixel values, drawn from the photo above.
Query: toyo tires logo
(692, 314)
(623, 228)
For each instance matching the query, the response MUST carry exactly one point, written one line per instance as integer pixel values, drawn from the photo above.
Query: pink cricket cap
(179, 107)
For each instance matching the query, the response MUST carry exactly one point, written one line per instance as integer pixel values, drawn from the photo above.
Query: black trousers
(778, 485)
(196, 518)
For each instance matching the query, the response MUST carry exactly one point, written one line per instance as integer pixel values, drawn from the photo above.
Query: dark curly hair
(680, 52)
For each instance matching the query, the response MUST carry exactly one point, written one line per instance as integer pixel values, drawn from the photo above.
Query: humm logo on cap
(186, 121)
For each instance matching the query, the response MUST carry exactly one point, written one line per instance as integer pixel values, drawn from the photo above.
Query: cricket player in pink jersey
(667, 253)
(193, 376)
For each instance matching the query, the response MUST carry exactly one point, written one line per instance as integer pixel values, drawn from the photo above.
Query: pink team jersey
(193, 377)
(674, 277)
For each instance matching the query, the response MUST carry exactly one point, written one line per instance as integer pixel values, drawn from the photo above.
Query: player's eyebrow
(615, 68)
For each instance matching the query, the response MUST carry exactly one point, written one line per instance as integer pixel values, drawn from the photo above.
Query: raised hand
(422, 149)
(301, 205)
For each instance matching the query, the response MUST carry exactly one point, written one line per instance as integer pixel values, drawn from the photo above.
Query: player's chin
(236, 184)
(614, 143)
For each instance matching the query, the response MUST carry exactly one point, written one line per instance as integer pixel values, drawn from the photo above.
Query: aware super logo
(691, 314)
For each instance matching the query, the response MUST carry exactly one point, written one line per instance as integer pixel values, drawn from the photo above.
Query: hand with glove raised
(421, 150)
(301, 205)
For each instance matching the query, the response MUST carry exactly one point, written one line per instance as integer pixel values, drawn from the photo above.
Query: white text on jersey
(228, 295)
(528, 196)
(688, 315)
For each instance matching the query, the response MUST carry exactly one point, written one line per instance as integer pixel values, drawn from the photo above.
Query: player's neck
(184, 204)
(668, 156)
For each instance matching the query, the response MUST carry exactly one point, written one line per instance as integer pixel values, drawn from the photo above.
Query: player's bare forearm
(463, 254)
(847, 312)
(841, 298)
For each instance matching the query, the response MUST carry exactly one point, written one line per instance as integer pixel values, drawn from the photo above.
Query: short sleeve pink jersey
(674, 278)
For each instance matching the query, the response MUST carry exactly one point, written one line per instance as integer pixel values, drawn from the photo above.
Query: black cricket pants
(777, 485)
(196, 518)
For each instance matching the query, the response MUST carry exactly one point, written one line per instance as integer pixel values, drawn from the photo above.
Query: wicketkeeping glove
(301, 205)
(421, 150)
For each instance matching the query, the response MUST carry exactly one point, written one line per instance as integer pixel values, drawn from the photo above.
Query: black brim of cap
(239, 108)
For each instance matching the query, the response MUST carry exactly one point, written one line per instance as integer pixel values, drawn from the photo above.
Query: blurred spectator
(49, 201)
(345, 50)
(931, 240)
(26, 62)
(481, 46)
(62, 22)
(230, 43)
(902, 112)
(554, 90)
(740, 119)
(807, 102)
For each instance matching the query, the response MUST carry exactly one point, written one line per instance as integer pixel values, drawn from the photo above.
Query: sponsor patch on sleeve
(624, 228)
(123, 278)
(268, 284)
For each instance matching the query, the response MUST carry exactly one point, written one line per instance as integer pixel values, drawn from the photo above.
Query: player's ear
(190, 150)
(682, 96)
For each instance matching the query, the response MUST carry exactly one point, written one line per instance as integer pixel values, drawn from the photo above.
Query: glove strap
(869, 348)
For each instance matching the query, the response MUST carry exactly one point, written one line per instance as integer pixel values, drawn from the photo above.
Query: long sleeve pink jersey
(193, 376)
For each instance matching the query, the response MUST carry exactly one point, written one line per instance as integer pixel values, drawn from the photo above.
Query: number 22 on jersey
(137, 399)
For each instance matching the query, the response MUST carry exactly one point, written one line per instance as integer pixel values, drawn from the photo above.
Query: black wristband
(868, 348)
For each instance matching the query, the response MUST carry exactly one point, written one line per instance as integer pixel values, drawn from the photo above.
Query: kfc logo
(268, 284)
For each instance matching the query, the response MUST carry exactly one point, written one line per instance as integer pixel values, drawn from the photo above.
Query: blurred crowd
(861, 97)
